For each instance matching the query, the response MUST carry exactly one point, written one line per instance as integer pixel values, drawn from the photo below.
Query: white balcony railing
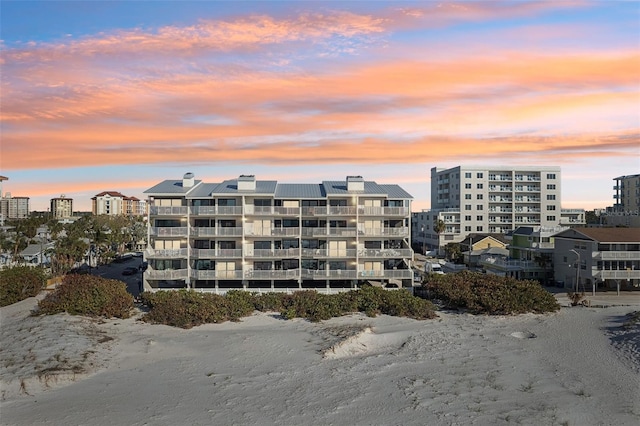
(165, 253)
(166, 231)
(166, 274)
(168, 210)
(616, 255)
(632, 274)
(215, 274)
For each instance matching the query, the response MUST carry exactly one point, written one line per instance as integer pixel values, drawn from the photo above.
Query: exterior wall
(263, 243)
(572, 217)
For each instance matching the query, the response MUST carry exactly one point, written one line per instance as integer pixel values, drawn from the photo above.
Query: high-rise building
(61, 207)
(490, 199)
(14, 207)
(260, 234)
(627, 194)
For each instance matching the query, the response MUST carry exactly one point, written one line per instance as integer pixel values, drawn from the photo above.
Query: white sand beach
(579, 366)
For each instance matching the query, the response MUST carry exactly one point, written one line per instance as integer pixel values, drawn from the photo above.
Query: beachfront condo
(262, 235)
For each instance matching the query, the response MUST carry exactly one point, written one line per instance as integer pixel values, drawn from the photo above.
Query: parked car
(433, 268)
(129, 270)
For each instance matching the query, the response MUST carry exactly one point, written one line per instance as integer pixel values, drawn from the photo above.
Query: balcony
(286, 231)
(385, 274)
(289, 274)
(633, 274)
(314, 232)
(167, 274)
(342, 232)
(383, 211)
(215, 274)
(384, 253)
(168, 210)
(286, 211)
(165, 253)
(215, 253)
(216, 210)
(342, 211)
(220, 231)
(314, 211)
(616, 255)
(272, 253)
(166, 231)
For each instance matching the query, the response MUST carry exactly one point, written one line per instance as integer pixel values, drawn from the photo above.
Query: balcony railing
(343, 232)
(286, 211)
(166, 231)
(386, 273)
(289, 274)
(213, 253)
(216, 210)
(219, 231)
(382, 211)
(286, 231)
(165, 253)
(616, 255)
(633, 274)
(168, 210)
(385, 253)
(203, 232)
(376, 232)
(215, 274)
(203, 253)
(166, 274)
(272, 253)
(314, 211)
(342, 211)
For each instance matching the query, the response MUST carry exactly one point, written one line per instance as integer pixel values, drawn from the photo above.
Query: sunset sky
(117, 96)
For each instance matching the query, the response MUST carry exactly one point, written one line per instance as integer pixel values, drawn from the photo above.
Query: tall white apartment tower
(495, 199)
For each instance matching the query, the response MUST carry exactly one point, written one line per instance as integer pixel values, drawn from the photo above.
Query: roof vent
(187, 180)
(247, 183)
(355, 184)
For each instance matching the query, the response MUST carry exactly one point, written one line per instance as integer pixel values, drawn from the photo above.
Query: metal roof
(277, 190)
(171, 186)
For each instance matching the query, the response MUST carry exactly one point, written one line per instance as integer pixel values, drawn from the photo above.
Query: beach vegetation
(489, 294)
(187, 308)
(19, 283)
(88, 295)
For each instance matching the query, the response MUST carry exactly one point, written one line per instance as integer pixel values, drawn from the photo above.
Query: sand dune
(579, 366)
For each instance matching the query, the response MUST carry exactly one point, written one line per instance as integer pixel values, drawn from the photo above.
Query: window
(467, 218)
(479, 207)
(551, 207)
(479, 186)
(479, 175)
(467, 175)
(467, 185)
(479, 197)
(479, 218)
(551, 197)
(551, 218)
(467, 206)
(479, 228)
(467, 228)
(467, 196)
(551, 186)
(551, 175)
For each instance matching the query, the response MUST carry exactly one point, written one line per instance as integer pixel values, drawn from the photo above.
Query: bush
(19, 283)
(490, 294)
(187, 308)
(88, 295)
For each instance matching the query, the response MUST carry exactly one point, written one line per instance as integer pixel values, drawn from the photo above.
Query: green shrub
(88, 295)
(187, 308)
(19, 283)
(490, 294)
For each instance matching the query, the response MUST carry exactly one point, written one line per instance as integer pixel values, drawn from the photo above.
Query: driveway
(114, 271)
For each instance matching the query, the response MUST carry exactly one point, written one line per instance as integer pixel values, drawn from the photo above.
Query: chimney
(355, 184)
(247, 183)
(187, 180)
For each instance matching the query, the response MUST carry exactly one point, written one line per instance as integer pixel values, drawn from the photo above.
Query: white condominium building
(61, 207)
(261, 235)
(495, 199)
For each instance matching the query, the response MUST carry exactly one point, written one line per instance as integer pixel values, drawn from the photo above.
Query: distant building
(61, 207)
(491, 199)
(14, 207)
(626, 208)
(604, 258)
(114, 203)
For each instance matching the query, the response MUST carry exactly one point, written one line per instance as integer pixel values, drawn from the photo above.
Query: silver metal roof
(277, 190)
(171, 186)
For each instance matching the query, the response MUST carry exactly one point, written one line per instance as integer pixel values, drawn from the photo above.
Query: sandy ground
(579, 366)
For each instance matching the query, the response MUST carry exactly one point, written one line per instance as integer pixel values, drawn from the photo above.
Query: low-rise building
(598, 258)
(259, 235)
